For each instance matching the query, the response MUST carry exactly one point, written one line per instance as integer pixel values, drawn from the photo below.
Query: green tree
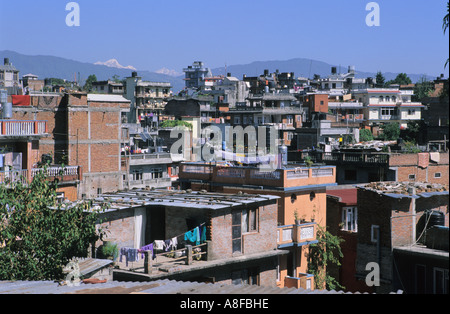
(325, 253)
(391, 131)
(414, 131)
(365, 135)
(38, 236)
(401, 79)
(380, 79)
(88, 85)
(422, 89)
(445, 22)
(175, 123)
(116, 78)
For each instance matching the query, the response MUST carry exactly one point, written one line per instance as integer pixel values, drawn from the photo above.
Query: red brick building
(429, 167)
(85, 132)
(390, 216)
(342, 221)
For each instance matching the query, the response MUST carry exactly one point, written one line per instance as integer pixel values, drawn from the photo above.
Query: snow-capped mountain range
(113, 63)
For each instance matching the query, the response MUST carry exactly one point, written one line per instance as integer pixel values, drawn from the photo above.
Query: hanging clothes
(203, 234)
(131, 255)
(148, 247)
(193, 236)
(158, 245)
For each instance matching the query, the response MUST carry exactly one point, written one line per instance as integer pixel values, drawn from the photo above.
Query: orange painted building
(301, 205)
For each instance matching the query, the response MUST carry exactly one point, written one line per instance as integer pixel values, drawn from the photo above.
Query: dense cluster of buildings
(115, 144)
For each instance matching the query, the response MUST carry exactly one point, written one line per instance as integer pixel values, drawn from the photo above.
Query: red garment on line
(20, 100)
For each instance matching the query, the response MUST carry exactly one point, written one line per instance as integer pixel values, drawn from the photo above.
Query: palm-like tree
(445, 25)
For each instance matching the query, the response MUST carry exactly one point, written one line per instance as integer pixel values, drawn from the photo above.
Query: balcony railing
(14, 176)
(305, 281)
(63, 174)
(349, 158)
(147, 159)
(157, 183)
(297, 234)
(22, 128)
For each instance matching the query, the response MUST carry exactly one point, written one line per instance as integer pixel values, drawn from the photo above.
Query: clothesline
(196, 235)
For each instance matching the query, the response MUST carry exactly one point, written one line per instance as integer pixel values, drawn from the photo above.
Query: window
(289, 119)
(137, 175)
(248, 276)
(236, 232)
(156, 173)
(293, 198)
(420, 279)
(440, 285)
(411, 112)
(437, 175)
(350, 175)
(412, 177)
(374, 233)
(174, 170)
(350, 219)
(249, 220)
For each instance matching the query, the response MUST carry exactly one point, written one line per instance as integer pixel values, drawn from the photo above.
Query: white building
(383, 105)
(9, 78)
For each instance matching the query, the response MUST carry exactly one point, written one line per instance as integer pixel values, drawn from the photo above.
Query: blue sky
(152, 34)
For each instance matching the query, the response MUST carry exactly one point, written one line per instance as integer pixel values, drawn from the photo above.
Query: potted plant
(296, 217)
(109, 250)
(308, 161)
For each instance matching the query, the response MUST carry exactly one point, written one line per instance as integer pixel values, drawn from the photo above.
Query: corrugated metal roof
(151, 287)
(106, 98)
(137, 198)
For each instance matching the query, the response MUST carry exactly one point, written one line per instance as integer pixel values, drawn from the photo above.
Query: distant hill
(302, 68)
(50, 66)
(57, 67)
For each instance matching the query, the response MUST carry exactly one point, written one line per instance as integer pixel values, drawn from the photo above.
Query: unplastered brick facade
(84, 130)
(94, 128)
(421, 167)
(395, 216)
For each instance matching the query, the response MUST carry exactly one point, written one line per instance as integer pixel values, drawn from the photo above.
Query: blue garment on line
(131, 255)
(203, 236)
(148, 247)
(193, 236)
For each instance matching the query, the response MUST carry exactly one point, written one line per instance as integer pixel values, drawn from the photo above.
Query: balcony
(18, 128)
(338, 158)
(155, 183)
(147, 159)
(305, 281)
(62, 174)
(13, 176)
(289, 177)
(297, 234)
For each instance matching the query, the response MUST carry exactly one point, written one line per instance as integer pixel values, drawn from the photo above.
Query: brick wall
(119, 226)
(397, 222)
(420, 165)
(263, 240)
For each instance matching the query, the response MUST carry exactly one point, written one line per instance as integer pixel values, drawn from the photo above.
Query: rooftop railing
(22, 127)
